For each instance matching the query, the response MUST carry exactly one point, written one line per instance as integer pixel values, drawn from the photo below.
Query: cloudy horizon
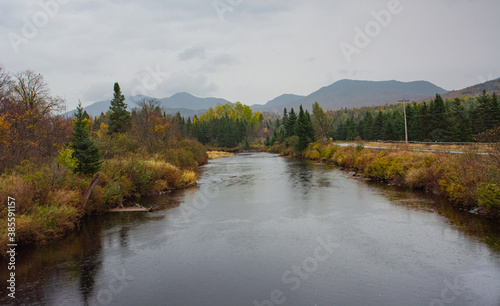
(248, 51)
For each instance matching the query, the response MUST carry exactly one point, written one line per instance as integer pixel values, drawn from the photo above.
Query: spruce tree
(119, 118)
(368, 124)
(311, 134)
(85, 151)
(378, 125)
(301, 130)
(290, 124)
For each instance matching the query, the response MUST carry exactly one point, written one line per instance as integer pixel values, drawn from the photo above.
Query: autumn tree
(31, 90)
(119, 117)
(28, 112)
(321, 122)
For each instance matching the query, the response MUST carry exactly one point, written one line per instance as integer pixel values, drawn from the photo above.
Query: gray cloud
(193, 52)
(260, 50)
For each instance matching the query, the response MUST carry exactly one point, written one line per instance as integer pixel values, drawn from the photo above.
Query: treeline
(456, 120)
(226, 126)
(48, 160)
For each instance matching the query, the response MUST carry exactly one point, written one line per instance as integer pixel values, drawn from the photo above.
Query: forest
(48, 160)
(456, 120)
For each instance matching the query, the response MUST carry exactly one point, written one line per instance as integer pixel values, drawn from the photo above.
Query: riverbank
(470, 181)
(50, 198)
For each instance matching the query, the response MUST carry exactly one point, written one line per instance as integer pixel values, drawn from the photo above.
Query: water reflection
(399, 246)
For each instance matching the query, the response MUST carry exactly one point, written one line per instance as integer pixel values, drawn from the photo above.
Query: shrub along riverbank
(468, 180)
(49, 163)
(49, 197)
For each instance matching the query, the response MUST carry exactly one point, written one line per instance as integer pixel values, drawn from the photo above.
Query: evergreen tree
(495, 110)
(310, 132)
(438, 114)
(352, 129)
(368, 127)
(301, 130)
(341, 132)
(459, 129)
(378, 126)
(388, 132)
(85, 151)
(304, 129)
(424, 127)
(119, 117)
(290, 123)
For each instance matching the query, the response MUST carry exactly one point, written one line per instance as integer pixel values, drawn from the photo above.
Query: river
(266, 230)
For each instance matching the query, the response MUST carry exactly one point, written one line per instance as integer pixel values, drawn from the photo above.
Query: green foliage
(85, 151)
(119, 117)
(489, 195)
(321, 122)
(226, 126)
(66, 159)
(454, 120)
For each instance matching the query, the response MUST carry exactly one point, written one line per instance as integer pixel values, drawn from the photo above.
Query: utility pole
(406, 125)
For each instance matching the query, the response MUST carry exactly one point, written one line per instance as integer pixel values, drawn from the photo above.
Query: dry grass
(218, 154)
(480, 148)
(466, 179)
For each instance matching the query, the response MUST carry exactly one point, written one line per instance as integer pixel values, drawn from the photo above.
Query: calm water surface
(265, 230)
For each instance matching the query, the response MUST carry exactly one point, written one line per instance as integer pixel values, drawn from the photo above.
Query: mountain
(277, 104)
(188, 101)
(95, 109)
(352, 93)
(344, 93)
(187, 104)
(476, 90)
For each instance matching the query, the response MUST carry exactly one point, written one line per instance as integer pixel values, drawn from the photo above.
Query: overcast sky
(246, 50)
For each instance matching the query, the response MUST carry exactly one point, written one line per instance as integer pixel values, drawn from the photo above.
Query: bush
(489, 196)
(329, 151)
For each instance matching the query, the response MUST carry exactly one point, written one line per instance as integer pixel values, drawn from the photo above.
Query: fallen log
(130, 209)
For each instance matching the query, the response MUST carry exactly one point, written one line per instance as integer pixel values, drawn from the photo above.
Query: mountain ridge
(343, 93)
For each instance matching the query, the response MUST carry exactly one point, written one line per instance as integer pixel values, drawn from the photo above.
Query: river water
(266, 230)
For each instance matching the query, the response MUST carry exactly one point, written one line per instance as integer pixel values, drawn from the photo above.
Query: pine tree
(438, 116)
(459, 128)
(311, 134)
(495, 109)
(119, 118)
(300, 130)
(368, 124)
(378, 126)
(85, 151)
(352, 129)
(290, 123)
(388, 132)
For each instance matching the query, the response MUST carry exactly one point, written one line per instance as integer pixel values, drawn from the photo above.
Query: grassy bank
(218, 154)
(49, 197)
(467, 180)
